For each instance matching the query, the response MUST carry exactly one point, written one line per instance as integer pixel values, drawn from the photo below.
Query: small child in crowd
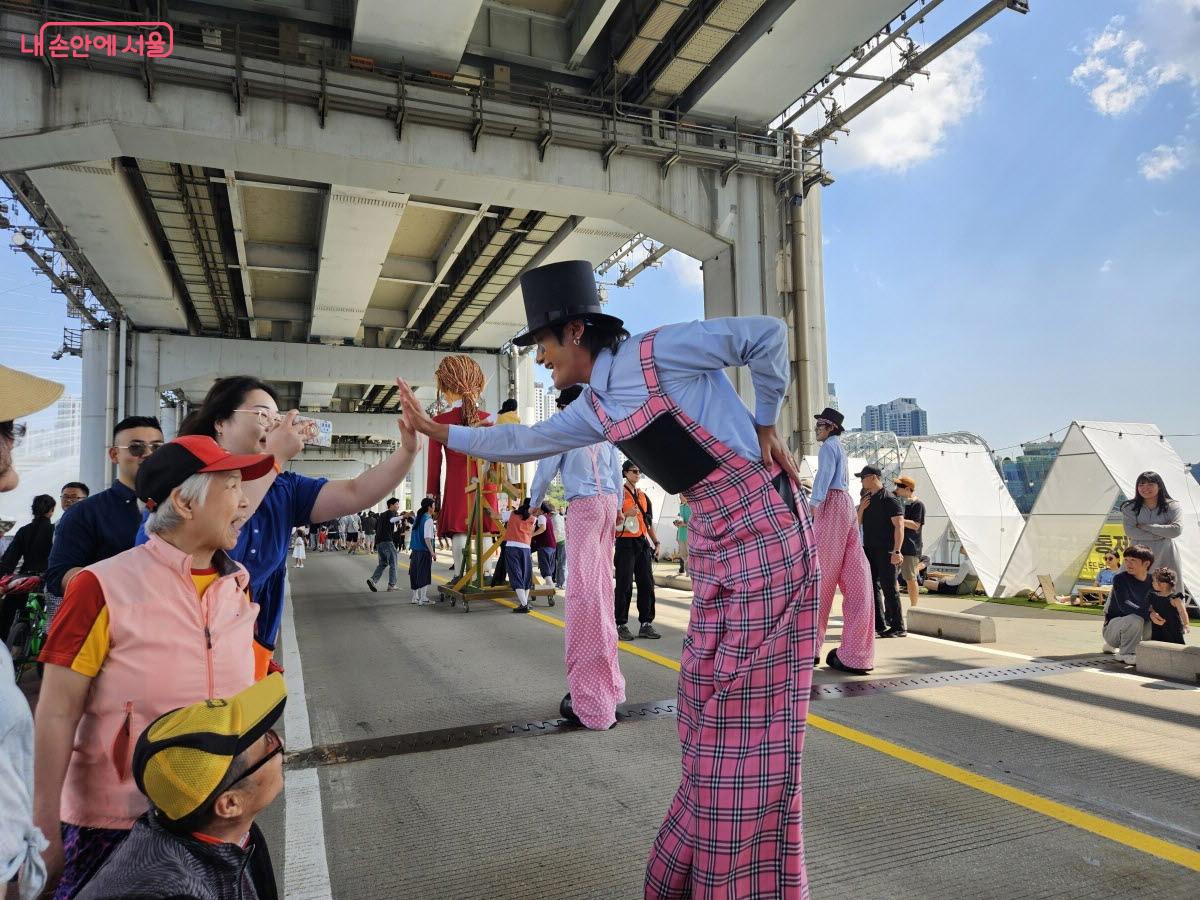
(298, 548)
(522, 527)
(1168, 615)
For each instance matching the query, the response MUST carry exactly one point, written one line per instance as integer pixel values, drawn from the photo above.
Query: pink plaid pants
(843, 564)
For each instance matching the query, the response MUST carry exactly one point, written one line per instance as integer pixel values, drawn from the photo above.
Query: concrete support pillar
(169, 417)
(94, 469)
(143, 383)
(810, 375)
(740, 281)
(526, 374)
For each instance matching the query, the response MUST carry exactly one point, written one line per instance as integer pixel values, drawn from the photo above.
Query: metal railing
(248, 62)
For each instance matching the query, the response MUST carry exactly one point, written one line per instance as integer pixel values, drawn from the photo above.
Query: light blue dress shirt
(691, 359)
(579, 480)
(833, 470)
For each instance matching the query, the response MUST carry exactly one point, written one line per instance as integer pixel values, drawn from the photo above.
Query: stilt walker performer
(734, 828)
(591, 478)
(840, 554)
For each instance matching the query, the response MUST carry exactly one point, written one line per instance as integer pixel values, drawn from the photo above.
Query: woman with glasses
(734, 827)
(242, 414)
(1154, 520)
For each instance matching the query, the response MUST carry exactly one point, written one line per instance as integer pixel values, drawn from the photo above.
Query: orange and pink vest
(167, 649)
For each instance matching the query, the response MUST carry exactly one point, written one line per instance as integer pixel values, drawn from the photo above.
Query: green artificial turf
(1038, 604)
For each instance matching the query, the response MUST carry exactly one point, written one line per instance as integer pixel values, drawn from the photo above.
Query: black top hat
(830, 414)
(558, 293)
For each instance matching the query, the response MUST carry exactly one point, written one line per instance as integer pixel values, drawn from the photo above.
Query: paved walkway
(956, 777)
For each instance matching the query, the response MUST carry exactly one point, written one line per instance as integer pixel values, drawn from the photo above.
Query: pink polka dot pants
(843, 564)
(593, 673)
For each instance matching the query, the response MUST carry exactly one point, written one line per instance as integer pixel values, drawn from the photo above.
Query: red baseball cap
(176, 461)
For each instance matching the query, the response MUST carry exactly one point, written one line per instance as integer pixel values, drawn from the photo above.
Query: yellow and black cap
(183, 757)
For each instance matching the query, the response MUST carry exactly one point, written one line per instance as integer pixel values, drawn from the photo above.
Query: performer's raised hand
(408, 435)
(775, 452)
(416, 416)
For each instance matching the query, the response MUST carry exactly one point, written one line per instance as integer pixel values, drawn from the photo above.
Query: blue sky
(1020, 271)
(1013, 243)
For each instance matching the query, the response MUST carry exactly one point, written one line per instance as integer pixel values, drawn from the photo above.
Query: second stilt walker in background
(734, 828)
(591, 478)
(840, 553)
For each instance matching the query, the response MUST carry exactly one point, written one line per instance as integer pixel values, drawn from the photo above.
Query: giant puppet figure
(461, 382)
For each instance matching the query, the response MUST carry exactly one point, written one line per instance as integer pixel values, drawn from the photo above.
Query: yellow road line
(1069, 815)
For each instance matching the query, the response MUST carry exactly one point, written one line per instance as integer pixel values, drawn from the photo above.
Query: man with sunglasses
(207, 770)
(105, 523)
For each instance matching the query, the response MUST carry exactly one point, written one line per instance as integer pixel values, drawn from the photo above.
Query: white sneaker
(1109, 650)
(415, 601)
(1129, 659)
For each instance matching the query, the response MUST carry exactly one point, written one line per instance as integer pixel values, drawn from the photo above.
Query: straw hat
(22, 394)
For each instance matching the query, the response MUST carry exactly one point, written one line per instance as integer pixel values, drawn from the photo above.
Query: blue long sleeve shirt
(579, 480)
(833, 470)
(691, 359)
(94, 529)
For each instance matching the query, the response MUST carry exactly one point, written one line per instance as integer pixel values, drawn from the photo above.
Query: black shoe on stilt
(568, 712)
(834, 663)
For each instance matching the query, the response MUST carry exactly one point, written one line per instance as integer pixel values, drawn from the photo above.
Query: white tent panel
(1097, 462)
(961, 488)
(808, 469)
(935, 535)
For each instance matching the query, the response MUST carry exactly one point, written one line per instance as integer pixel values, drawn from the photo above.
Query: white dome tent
(1098, 462)
(964, 496)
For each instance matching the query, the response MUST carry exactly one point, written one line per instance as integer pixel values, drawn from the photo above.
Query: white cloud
(1124, 65)
(684, 269)
(910, 126)
(1129, 61)
(1163, 161)
(1106, 267)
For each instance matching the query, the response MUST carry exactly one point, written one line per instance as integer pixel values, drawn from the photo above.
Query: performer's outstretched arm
(575, 426)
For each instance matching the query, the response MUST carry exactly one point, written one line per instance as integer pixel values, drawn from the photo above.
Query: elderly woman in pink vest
(164, 625)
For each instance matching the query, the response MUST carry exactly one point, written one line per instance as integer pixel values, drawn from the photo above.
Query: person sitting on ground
(963, 582)
(1127, 615)
(129, 644)
(1168, 614)
(207, 770)
(1112, 565)
(72, 492)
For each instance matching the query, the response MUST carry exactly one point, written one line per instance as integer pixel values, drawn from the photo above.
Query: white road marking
(305, 867)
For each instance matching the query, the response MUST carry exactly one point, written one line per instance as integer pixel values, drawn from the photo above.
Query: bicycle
(27, 635)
